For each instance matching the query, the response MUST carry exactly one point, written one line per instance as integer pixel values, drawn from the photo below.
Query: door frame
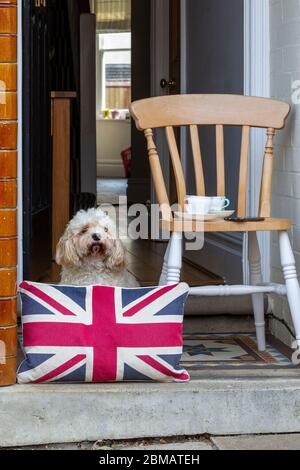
(257, 83)
(159, 44)
(20, 144)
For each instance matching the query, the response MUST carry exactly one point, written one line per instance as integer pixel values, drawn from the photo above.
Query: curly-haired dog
(90, 252)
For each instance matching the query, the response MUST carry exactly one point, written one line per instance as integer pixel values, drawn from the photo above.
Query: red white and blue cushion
(102, 334)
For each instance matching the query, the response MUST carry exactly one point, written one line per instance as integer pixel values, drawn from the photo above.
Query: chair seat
(225, 226)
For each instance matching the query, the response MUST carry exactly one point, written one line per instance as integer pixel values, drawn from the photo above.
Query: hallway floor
(110, 189)
(145, 259)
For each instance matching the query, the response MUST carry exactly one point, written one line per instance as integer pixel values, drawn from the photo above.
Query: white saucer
(205, 217)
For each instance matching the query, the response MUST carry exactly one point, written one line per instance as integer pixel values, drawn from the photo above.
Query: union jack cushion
(101, 334)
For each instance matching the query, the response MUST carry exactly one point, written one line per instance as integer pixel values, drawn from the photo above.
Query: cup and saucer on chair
(205, 208)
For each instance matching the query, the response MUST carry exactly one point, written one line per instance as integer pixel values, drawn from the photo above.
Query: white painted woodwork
(257, 299)
(291, 280)
(237, 290)
(175, 258)
(164, 273)
(257, 83)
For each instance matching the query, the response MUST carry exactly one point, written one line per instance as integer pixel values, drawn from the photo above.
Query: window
(114, 75)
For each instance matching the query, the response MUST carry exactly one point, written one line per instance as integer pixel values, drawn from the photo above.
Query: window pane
(114, 73)
(117, 79)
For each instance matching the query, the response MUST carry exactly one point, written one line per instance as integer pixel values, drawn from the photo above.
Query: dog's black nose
(96, 237)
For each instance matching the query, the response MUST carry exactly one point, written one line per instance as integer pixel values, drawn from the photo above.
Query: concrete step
(271, 442)
(216, 403)
(175, 444)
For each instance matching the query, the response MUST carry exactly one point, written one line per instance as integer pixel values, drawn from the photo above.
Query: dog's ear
(117, 258)
(66, 254)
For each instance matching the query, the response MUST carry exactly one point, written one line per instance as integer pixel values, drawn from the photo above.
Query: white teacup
(197, 204)
(219, 203)
(203, 205)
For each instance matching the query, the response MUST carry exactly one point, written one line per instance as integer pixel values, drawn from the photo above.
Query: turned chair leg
(163, 281)
(174, 259)
(257, 299)
(290, 276)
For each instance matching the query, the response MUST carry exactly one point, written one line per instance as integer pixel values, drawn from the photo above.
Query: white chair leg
(257, 299)
(163, 281)
(175, 258)
(290, 276)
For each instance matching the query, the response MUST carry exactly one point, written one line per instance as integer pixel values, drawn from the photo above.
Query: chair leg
(175, 258)
(290, 276)
(163, 281)
(257, 299)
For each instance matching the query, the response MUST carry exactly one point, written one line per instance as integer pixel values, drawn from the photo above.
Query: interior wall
(113, 136)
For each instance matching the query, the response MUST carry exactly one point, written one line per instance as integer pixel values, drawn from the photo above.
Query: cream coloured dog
(91, 253)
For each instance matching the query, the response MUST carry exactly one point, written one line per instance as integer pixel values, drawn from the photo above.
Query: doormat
(223, 351)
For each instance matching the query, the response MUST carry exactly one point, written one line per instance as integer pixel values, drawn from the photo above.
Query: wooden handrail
(61, 135)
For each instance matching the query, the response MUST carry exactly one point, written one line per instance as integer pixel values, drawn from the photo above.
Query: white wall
(113, 136)
(285, 68)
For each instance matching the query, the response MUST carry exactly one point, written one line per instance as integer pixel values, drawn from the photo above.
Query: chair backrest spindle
(267, 173)
(198, 165)
(157, 174)
(221, 191)
(177, 166)
(243, 180)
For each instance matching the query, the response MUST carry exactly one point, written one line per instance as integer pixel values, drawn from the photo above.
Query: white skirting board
(110, 169)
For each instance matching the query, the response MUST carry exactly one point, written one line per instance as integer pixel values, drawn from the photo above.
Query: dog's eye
(106, 229)
(83, 231)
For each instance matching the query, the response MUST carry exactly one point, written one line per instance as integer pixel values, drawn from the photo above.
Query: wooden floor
(145, 259)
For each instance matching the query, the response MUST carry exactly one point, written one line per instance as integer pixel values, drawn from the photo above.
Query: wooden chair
(221, 110)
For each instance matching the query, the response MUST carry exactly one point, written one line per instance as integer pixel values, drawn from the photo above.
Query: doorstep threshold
(218, 403)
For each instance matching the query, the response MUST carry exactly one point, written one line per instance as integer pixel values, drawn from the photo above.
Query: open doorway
(65, 48)
(101, 61)
(113, 97)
